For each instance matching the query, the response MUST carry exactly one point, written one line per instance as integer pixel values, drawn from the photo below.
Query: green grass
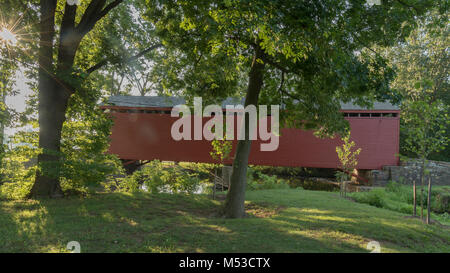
(289, 220)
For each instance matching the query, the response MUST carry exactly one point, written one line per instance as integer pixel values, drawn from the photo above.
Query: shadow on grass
(183, 223)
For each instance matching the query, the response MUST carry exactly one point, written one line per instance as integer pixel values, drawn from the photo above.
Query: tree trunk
(234, 204)
(52, 109)
(215, 183)
(2, 137)
(55, 89)
(226, 176)
(414, 198)
(2, 123)
(429, 200)
(52, 105)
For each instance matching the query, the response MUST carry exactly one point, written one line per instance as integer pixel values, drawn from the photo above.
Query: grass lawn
(291, 220)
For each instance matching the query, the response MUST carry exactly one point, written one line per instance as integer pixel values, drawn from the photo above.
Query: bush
(374, 198)
(399, 198)
(78, 175)
(158, 177)
(441, 203)
(257, 180)
(313, 185)
(319, 186)
(17, 179)
(294, 171)
(393, 186)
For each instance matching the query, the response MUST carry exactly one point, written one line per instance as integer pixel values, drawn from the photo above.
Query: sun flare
(7, 36)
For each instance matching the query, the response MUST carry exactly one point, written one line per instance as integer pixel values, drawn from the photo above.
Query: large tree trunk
(234, 204)
(2, 123)
(50, 118)
(52, 110)
(54, 89)
(2, 137)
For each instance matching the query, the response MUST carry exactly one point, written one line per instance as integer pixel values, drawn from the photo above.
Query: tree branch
(280, 89)
(409, 6)
(94, 13)
(276, 65)
(108, 8)
(123, 61)
(68, 21)
(94, 8)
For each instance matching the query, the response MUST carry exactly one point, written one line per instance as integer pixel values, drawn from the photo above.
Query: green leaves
(158, 177)
(347, 154)
(221, 149)
(425, 127)
(422, 66)
(317, 53)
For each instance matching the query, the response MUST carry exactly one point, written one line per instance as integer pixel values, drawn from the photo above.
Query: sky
(18, 102)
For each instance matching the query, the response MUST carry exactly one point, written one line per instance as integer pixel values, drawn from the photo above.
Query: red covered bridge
(142, 131)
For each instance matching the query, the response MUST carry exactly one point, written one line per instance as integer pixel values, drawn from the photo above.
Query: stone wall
(409, 170)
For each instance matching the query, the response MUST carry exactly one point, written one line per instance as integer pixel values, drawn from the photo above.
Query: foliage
(442, 203)
(348, 160)
(260, 181)
(311, 64)
(8, 69)
(97, 40)
(422, 64)
(312, 185)
(425, 126)
(221, 149)
(294, 171)
(347, 155)
(157, 177)
(373, 198)
(17, 171)
(342, 176)
(398, 197)
(84, 145)
(84, 162)
(308, 56)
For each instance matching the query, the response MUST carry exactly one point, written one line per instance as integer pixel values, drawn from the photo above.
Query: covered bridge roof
(169, 102)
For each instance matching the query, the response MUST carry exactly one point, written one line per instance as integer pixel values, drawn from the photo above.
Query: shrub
(313, 185)
(158, 177)
(393, 186)
(399, 198)
(17, 179)
(295, 182)
(319, 186)
(294, 171)
(260, 181)
(374, 198)
(78, 175)
(441, 203)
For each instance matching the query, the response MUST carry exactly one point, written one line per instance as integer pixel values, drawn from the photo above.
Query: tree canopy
(308, 56)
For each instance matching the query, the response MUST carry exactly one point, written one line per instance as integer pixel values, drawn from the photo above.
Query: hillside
(279, 221)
